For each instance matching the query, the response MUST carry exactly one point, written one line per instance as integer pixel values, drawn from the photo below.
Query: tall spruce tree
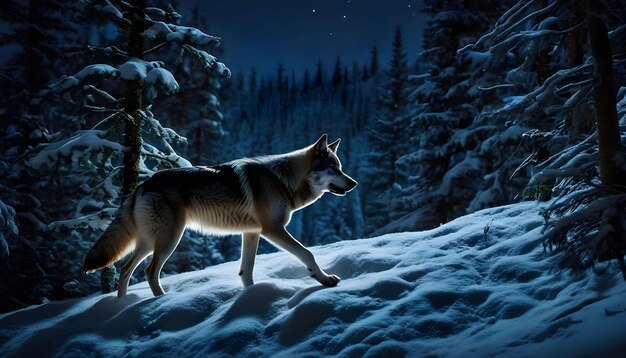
(585, 218)
(443, 163)
(388, 140)
(39, 35)
(374, 65)
(121, 138)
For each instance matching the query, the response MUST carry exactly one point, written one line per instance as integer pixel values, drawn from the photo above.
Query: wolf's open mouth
(335, 189)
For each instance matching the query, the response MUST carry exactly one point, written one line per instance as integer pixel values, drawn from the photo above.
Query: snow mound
(458, 290)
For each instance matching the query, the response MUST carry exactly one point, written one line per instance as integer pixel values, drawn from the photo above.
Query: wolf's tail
(116, 241)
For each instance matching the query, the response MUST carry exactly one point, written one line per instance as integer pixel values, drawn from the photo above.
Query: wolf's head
(326, 173)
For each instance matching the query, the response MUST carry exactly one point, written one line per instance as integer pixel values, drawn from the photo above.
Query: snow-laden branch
(566, 158)
(162, 79)
(165, 137)
(89, 72)
(82, 143)
(96, 221)
(594, 209)
(208, 62)
(110, 190)
(524, 36)
(509, 23)
(108, 9)
(172, 159)
(181, 34)
(151, 73)
(543, 93)
(8, 228)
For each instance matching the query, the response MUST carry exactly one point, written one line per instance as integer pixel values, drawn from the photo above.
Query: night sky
(297, 33)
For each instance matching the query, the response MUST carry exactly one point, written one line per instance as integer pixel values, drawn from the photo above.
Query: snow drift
(458, 290)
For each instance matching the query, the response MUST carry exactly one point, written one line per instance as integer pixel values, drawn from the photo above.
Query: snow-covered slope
(445, 292)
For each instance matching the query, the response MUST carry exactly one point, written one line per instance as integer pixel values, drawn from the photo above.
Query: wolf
(251, 196)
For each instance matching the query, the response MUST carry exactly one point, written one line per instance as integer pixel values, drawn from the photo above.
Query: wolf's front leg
(249, 245)
(283, 239)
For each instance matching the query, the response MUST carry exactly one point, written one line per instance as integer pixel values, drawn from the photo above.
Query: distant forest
(507, 101)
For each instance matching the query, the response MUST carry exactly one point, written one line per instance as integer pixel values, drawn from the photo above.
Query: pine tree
(585, 216)
(195, 108)
(445, 156)
(293, 88)
(96, 151)
(612, 175)
(336, 79)
(388, 139)
(319, 75)
(280, 80)
(373, 68)
(356, 72)
(306, 81)
(252, 81)
(397, 77)
(41, 34)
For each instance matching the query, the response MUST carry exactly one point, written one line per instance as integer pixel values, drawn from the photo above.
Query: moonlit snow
(453, 291)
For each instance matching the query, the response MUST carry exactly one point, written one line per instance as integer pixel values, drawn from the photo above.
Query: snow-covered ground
(450, 291)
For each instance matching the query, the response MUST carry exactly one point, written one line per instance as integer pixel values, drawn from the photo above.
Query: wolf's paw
(329, 280)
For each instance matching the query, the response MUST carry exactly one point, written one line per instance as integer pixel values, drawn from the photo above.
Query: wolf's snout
(343, 188)
(351, 184)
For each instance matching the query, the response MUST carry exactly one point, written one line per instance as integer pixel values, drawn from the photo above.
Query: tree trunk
(34, 76)
(605, 105)
(574, 52)
(132, 104)
(543, 57)
(609, 141)
(132, 130)
(576, 121)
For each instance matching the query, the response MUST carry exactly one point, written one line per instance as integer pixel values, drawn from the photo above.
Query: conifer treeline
(498, 107)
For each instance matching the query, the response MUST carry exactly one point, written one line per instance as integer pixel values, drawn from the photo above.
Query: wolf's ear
(333, 146)
(321, 146)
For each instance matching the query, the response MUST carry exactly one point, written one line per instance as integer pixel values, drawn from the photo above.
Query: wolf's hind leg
(166, 240)
(283, 239)
(141, 252)
(249, 246)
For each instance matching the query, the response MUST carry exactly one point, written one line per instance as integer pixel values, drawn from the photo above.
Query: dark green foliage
(388, 138)
(581, 164)
(61, 156)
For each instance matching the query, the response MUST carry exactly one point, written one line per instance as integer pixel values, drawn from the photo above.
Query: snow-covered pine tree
(586, 217)
(337, 76)
(444, 163)
(23, 75)
(374, 64)
(38, 35)
(611, 153)
(388, 140)
(195, 108)
(319, 74)
(120, 139)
